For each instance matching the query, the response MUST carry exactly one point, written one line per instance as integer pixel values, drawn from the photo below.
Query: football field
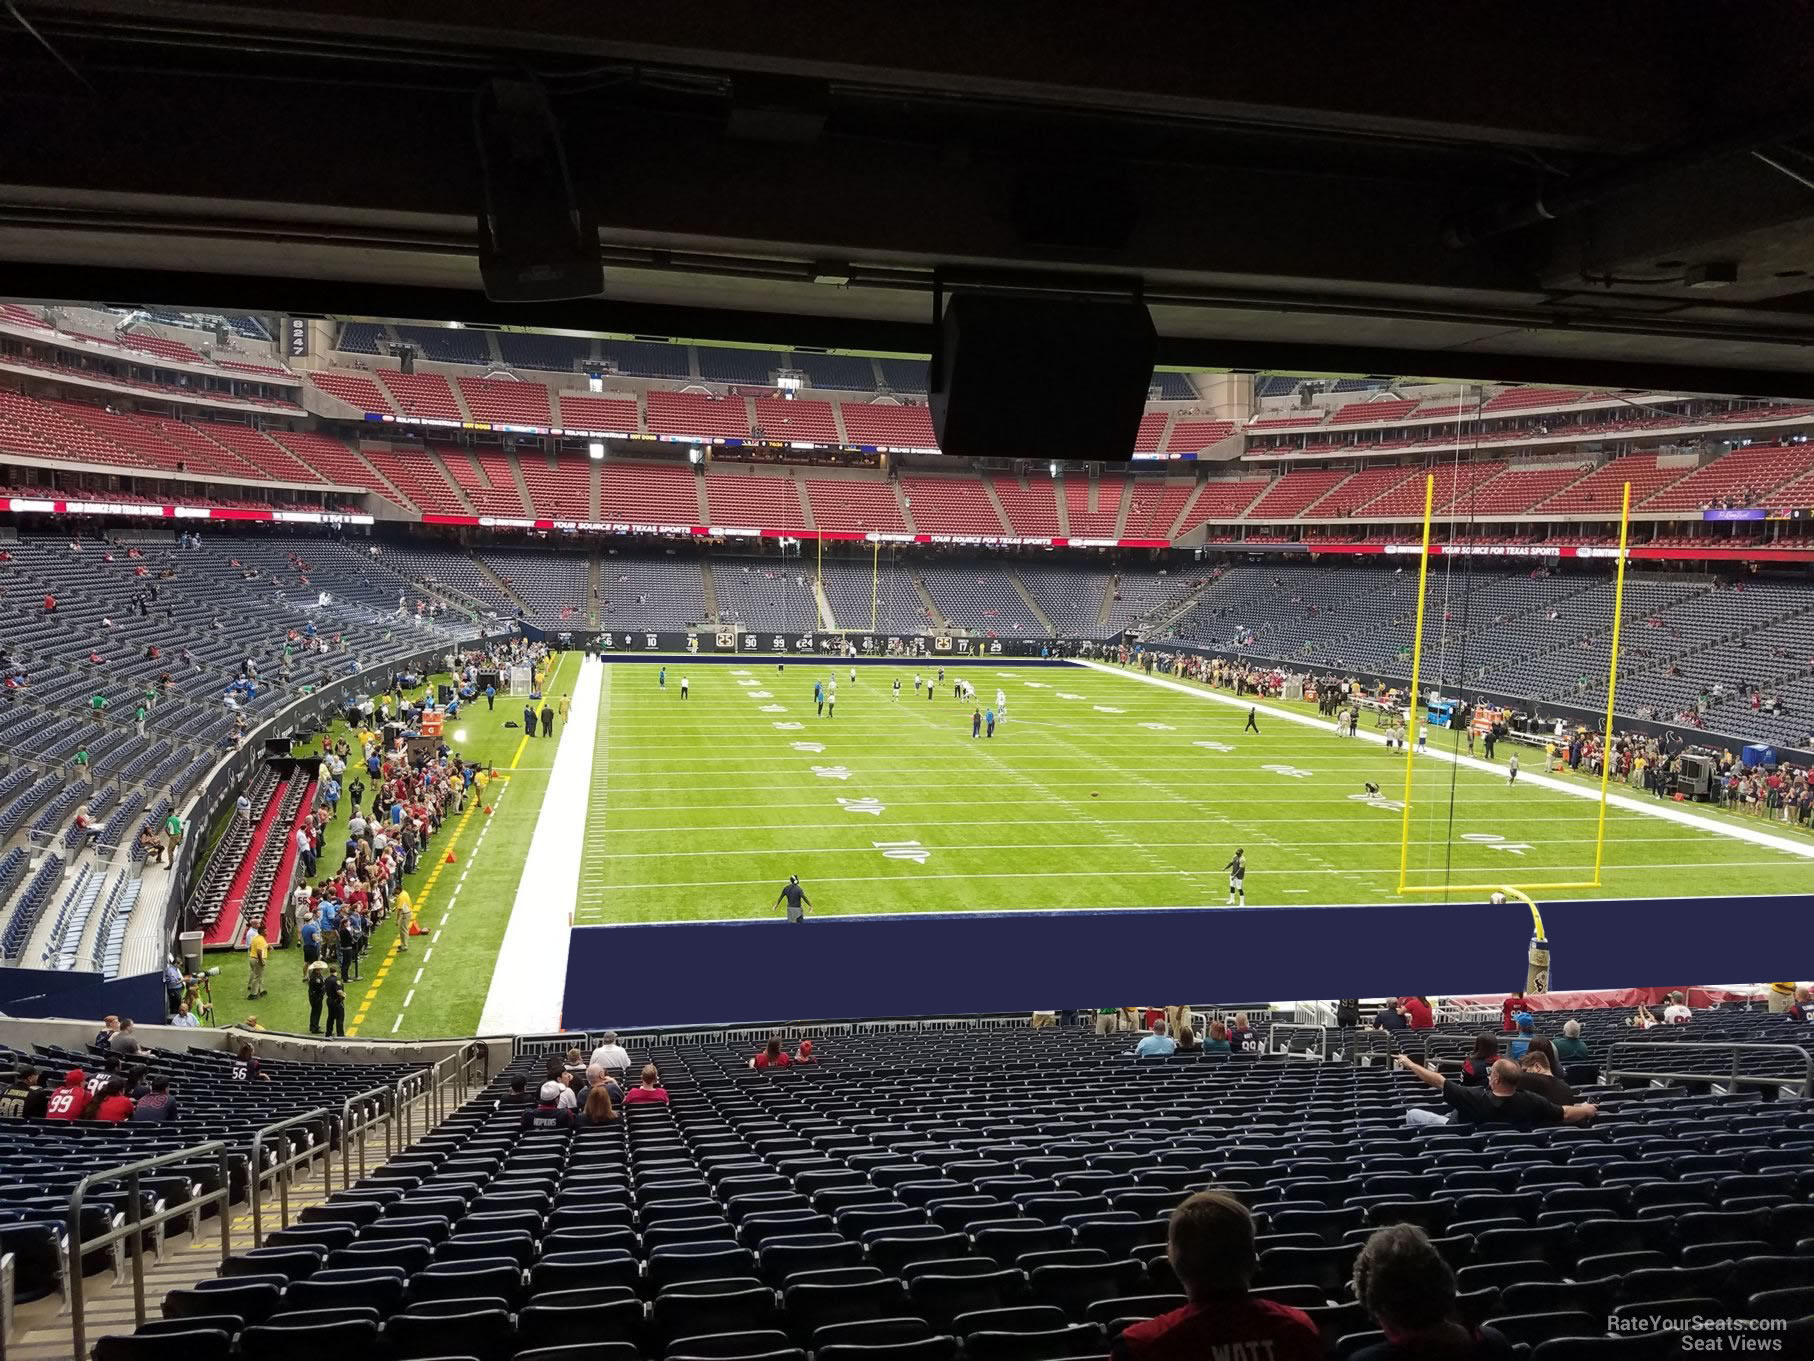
(1099, 789)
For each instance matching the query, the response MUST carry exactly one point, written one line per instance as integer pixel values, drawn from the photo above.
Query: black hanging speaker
(991, 347)
(537, 242)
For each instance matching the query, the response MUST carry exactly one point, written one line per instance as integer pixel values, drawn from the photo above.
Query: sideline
(1666, 812)
(522, 996)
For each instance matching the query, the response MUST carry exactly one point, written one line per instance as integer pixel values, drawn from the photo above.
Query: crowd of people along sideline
(399, 803)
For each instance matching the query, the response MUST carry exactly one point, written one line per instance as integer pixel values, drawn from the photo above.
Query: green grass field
(1099, 790)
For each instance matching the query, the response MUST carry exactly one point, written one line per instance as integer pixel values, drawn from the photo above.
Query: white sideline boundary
(1663, 811)
(529, 977)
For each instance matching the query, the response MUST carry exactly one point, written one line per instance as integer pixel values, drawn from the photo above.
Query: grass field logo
(872, 806)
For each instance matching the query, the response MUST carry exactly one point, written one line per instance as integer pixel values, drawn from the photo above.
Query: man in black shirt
(25, 1097)
(1537, 1077)
(1500, 1102)
(797, 901)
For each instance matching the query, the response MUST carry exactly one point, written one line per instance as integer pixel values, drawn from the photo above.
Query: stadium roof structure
(1525, 202)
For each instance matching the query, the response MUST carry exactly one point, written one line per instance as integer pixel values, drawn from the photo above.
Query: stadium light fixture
(596, 449)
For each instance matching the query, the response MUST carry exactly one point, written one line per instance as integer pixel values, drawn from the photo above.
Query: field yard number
(746, 682)
(1292, 771)
(813, 747)
(1213, 746)
(1107, 709)
(1159, 727)
(1494, 842)
(774, 708)
(903, 850)
(762, 694)
(872, 806)
(1066, 694)
(1379, 801)
(831, 772)
(790, 727)
(741, 671)
(1036, 685)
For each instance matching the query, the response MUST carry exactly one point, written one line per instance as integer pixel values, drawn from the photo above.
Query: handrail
(410, 1091)
(133, 1230)
(352, 1122)
(1736, 1048)
(281, 1169)
(1320, 1031)
(1367, 1040)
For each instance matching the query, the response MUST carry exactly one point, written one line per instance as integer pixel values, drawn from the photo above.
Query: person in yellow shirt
(566, 704)
(405, 914)
(258, 950)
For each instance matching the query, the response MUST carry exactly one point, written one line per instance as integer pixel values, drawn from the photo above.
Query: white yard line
(1665, 812)
(594, 891)
(523, 994)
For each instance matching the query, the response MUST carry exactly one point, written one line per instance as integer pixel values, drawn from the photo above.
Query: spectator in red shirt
(113, 1106)
(70, 1100)
(649, 1090)
(1210, 1244)
(773, 1056)
(1512, 1006)
(804, 1054)
(1417, 1012)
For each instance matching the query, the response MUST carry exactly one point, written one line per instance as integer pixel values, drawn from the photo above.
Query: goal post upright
(1522, 891)
(1423, 581)
(1612, 680)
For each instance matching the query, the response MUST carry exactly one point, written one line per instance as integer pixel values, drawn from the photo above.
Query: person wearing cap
(610, 1054)
(804, 1054)
(318, 992)
(554, 1106)
(797, 901)
(26, 1097)
(1527, 1031)
(69, 1100)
